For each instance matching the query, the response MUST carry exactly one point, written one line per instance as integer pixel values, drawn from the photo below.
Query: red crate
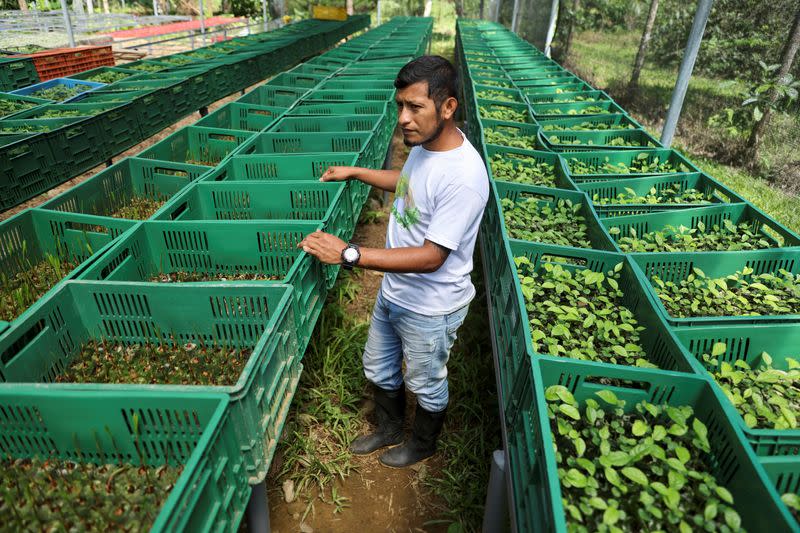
(61, 62)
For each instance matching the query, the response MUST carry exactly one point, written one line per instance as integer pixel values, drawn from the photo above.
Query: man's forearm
(404, 260)
(382, 179)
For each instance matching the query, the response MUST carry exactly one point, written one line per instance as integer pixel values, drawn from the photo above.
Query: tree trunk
(573, 13)
(349, 7)
(787, 59)
(106, 9)
(77, 6)
(428, 8)
(633, 85)
(459, 8)
(89, 7)
(23, 5)
(480, 8)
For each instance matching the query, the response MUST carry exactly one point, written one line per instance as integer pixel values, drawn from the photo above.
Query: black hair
(440, 74)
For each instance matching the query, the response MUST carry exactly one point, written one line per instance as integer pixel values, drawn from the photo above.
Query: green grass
(605, 60)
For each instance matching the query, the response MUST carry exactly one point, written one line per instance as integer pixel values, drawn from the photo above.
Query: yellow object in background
(329, 13)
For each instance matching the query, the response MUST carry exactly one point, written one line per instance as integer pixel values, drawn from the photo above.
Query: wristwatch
(350, 256)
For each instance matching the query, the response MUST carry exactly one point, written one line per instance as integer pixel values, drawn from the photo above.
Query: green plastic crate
(784, 472)
(188, 429)
(285, 167)
(291, 143)
(581, 141)
(221, 247)
(564, 88)
(243, 315)
(29, 237)
(121, 72)
(273, 95)
(614, 121)
(27, 167)
(493, 105)
(296, 79)
(525, 85)
(326, 124)
(514, 130)
(511, 93)
(17, 73)
(717, 192)
(242, 117)
(518, 155)
(513, 331)
(776, 234)
(535, 484)
(361, 84)
(747, 343)
(197, 146)
(589, 95)
(344, 108)
(328, 203)
(676, 267)
(350, 95)
(516, 192)
(489, 81)
(108, 191)
(578, 108)
(25, 103)
(595, 160)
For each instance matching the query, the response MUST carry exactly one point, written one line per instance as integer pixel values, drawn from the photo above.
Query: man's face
(417, 114)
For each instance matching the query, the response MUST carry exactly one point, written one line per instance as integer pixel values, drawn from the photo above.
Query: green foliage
(589, 110)
(614, 141)
(55, 495)
(508, 114)
(518, 168)
(580, 314)
(728, 237)
(245, 8)
(587, 126)
(769, 92)
(109, 76)
(513, 140)
(8, 107)
(739, 34)
(742, 293)
(643, 470)
(766, 397)
(138, 208)
(59, 93)
(497, 95)
(21, 289)
(674, 194)
(533, 220)
(641, 164)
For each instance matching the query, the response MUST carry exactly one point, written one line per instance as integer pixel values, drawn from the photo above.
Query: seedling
(739, 294)
(639, 471)
(108, 361)
(580, 315)
(7, 107)
(640, 165)
(587, 126)
(58, 495)
(531, 220)
(672, 195)
(139, 208)
(614, 141)
(109, 77)
(727, 237)
(526, 142)
(503, 113)
(60, 93)
(518, 168)
(496, 95)
(590, 110)
(766, 397)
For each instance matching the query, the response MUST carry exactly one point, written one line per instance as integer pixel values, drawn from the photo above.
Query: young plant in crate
(726, 237)
(521, 169)
(560, 223)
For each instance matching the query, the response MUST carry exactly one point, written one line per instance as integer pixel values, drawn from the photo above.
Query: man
(440, 196)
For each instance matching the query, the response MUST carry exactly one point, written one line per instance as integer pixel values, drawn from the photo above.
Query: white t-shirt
(440, 197)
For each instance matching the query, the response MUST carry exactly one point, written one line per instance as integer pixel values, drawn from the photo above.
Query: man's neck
(449, 139)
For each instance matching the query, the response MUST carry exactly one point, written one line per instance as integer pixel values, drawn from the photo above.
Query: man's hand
(324, 246)
(338, 174)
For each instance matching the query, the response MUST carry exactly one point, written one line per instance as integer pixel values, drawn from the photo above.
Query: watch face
(350, 255)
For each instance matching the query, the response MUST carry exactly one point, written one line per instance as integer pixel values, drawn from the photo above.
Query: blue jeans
(423, 342)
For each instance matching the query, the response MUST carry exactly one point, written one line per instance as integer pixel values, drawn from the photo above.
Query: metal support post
(378, 16)
(68, 23)
(155, 8)
(258, 510)
(202, 22)
(265, 14)
(495, 511)
(685, 71)
(551, 27)
(514, 16)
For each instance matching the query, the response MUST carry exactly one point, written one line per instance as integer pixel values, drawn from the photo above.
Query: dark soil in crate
(21, 290)
(165, 364)
(57, 495)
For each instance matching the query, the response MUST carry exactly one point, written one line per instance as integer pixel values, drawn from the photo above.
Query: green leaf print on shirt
(404, 210)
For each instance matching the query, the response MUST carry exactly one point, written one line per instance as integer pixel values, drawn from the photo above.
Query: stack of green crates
(194, 243)
(561, 141)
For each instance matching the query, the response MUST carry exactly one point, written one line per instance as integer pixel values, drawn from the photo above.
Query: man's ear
(449, 108)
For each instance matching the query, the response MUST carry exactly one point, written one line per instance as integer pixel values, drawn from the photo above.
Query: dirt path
(377, 498)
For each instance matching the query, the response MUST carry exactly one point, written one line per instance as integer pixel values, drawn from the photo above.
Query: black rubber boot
(421, 444)
(390, 410)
